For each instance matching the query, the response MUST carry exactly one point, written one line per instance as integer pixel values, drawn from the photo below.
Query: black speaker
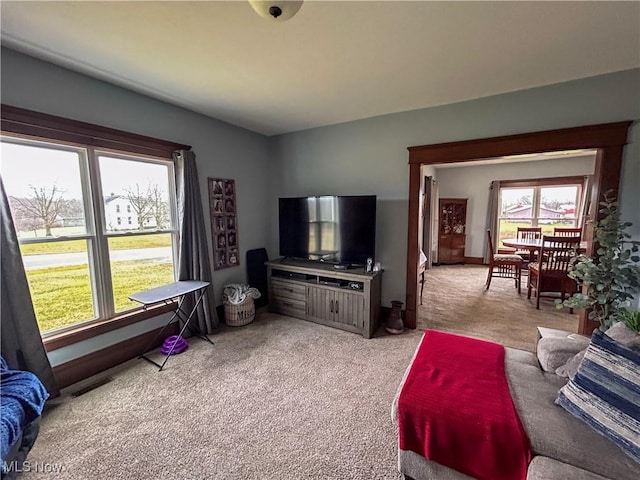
(257, 274)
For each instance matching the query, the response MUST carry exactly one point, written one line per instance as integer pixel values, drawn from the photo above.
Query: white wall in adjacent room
(472, 182)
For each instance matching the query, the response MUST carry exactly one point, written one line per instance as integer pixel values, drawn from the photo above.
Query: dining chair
(567, 232)
(503, 265)
(528, 233)
(550, 272)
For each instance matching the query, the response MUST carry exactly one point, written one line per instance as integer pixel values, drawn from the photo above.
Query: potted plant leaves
(608, 280)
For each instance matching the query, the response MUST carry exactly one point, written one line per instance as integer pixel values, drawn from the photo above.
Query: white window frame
(536, 199)
(96, 233)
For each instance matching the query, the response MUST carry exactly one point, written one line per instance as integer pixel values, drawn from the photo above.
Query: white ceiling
(334, 61)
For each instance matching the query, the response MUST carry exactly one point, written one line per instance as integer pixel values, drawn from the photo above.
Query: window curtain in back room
(492, 217)
(21, 343)
(193, 254)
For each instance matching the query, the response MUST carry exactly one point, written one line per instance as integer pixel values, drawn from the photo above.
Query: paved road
(158, 254)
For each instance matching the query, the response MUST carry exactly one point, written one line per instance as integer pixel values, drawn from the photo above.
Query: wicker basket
(240, 314)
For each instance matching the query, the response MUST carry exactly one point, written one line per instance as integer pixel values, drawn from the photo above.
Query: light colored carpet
(278, 399)
(455, 300)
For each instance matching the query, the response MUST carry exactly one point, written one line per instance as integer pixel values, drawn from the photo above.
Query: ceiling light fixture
(275, 10)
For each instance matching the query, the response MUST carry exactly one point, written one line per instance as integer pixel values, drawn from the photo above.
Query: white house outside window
(81, 262)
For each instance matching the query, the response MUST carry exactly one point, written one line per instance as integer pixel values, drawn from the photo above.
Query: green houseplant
(607, 281)
(632, 320)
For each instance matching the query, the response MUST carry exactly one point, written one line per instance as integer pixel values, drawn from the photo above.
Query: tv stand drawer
(289, 306)
(283, 288)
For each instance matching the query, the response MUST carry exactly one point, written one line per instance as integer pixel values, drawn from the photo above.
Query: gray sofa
(564, 447)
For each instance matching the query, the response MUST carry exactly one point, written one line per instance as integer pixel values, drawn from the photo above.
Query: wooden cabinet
(329, 306)
(346, 299)
(451, 230)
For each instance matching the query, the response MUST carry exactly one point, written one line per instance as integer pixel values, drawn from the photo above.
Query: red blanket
(455, 409)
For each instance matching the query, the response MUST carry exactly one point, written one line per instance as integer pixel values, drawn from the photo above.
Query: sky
(22, 165)
(564, 194)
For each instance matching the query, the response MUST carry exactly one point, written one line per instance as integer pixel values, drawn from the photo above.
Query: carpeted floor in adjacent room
(455, 300)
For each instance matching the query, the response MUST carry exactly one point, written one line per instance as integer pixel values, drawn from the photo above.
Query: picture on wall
(224, 232)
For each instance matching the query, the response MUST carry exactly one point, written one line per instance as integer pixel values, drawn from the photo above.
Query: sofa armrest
(556, 347)
(544, 468)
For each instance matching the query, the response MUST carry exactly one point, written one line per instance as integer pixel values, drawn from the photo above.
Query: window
(547, 205)
(323, 240)
(81, 261)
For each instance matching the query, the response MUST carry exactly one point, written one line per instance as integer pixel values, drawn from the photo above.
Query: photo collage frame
(224, 223)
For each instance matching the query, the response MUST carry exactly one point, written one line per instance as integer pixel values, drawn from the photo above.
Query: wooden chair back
(567, 232)
(557, 254)
(529, 233)
(490, 242)
(551, 272)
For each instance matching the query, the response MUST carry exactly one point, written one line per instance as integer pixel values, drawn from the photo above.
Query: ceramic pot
(394, 323)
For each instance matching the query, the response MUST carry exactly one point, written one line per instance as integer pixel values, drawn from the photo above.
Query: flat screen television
(335, 229)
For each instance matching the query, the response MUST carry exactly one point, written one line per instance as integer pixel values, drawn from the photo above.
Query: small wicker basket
(240, 314)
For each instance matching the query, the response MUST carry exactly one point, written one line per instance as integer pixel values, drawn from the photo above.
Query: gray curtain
(20, 340)
(193, 256)
(492, 217)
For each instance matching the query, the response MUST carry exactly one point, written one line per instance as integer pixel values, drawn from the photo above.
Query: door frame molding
(607, 139)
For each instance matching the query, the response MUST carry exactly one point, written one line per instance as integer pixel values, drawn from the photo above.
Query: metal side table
(165, 294)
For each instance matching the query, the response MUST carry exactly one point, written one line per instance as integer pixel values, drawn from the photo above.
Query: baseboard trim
(474, 260)
(88, 365)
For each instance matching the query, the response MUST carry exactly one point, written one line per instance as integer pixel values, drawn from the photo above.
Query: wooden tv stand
(345, 299)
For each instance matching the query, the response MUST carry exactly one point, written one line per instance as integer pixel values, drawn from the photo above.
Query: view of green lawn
(62, 295)
(509, 229)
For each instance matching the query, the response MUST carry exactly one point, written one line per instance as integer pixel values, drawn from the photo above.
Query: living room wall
(370, 155)
(222, 150)
(472, 182)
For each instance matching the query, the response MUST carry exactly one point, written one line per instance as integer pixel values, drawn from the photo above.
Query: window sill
(92, 329)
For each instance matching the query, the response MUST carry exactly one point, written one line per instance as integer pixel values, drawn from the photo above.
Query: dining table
(534, 245)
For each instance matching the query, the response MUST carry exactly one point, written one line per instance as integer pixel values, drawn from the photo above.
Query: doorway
(608, 140)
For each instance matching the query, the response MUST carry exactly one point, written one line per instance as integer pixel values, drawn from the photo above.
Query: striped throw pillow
(605, 392)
